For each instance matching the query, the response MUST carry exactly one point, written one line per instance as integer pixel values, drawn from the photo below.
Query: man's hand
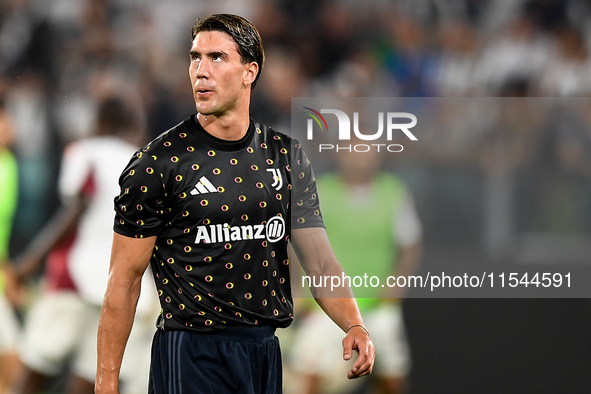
(358, 339)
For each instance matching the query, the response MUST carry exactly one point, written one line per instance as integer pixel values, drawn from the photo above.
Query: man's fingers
(347, 348)
(358, 339)
(364, 362)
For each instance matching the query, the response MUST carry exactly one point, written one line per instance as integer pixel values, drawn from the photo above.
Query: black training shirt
(222, 214)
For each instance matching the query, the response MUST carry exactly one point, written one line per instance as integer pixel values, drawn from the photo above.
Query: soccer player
(209, 205)
(370, 216)
(62, 324)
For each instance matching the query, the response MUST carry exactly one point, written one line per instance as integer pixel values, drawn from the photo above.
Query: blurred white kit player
(64, 321)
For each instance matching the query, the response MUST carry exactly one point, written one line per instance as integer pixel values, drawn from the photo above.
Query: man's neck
(227, 127)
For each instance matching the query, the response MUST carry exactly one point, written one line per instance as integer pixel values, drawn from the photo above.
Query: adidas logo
(204, 186)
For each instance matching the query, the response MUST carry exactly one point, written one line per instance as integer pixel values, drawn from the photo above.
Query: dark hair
(114, 117)
(244, 34)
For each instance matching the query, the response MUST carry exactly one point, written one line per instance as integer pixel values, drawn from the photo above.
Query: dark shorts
(242, 360)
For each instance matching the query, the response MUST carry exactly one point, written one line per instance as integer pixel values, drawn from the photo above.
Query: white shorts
(60, 326)
(9, 327)
(317, 345)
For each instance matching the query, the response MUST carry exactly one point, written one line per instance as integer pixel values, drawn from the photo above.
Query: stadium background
(58, 58)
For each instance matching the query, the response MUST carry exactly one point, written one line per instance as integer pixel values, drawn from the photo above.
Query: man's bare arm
(129, 260)
(318, 259)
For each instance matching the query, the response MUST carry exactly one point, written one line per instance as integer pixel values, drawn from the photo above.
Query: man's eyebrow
(193, 52)
(217, 54)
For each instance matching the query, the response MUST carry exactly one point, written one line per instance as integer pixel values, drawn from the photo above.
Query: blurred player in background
(62, 324)
(9, 363)
(373, 226)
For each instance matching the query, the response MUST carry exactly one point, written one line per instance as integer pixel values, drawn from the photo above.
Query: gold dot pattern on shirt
(183, 210)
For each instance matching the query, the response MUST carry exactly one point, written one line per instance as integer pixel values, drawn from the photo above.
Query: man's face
(218, 77)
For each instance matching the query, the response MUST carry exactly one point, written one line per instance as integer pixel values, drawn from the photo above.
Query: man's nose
(203, 68)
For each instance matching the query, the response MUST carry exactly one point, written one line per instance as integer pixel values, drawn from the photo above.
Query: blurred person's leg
(84, 363)
(393, 357)
(52, 330)
(135, 367)
(10, 365)
(317, 357)
(78, 385)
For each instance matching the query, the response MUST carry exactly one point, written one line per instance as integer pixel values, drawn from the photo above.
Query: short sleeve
(306, 207)
(407, 225)
(140, 205)
(75, 171)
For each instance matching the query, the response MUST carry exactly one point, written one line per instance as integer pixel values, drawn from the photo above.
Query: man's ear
(251, 70)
